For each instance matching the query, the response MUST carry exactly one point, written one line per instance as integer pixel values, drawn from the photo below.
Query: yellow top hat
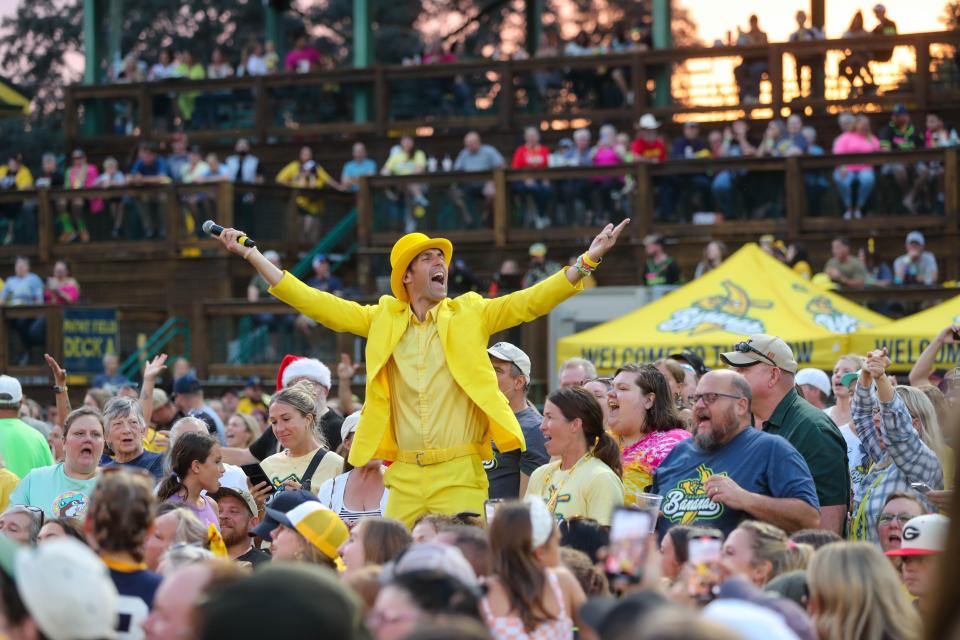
(405, 250)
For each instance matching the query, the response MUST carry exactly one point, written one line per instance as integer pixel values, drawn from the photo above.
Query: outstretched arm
(329, 310)
(598, 248)
(531, 303)
(264, 267)
(920, 374)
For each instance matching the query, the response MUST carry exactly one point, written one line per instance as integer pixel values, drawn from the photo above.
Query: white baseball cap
(923, 536)
(815, 378)
(349, 425)
(230, 486)
(10, 390)
(66, 589)
(513, 354)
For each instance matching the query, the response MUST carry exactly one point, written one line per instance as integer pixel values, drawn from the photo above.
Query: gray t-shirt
(504, 470)
(485, 159)
(923, 270)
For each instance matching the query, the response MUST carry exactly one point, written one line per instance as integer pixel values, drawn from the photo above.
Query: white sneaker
(848, 215)
(857, 214)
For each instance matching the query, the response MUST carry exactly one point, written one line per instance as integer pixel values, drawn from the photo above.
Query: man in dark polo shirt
(767, 363)
(509, 472)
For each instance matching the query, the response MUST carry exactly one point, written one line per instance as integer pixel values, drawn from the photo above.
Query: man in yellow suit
(432, 403)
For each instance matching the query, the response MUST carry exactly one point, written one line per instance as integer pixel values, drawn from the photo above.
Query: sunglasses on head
(746, 347)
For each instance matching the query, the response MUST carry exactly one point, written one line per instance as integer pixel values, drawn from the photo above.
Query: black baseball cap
(187, 384)
(691, 358)
(282, 502)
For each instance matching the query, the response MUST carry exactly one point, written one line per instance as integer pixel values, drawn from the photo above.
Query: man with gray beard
(729, 471)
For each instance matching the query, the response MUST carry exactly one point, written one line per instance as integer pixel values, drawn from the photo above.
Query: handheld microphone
(214, 229)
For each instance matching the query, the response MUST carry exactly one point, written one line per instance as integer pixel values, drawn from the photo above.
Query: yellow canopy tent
(750, 292)
(12, 102)
(905, 339)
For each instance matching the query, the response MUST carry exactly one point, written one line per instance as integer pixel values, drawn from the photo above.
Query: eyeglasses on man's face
(710, 398)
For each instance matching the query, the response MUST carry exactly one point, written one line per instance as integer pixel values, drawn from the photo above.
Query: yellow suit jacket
(465, 324)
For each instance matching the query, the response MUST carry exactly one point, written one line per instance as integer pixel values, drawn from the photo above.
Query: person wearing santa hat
(433, 406)
(292, 370)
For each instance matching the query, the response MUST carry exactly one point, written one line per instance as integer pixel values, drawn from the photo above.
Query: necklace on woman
(555, 496)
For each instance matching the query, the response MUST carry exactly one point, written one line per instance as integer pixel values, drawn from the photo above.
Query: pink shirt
(643, 457)
(851, 142)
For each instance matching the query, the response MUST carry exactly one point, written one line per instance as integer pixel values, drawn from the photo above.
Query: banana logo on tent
(728, 311)
(822, 312)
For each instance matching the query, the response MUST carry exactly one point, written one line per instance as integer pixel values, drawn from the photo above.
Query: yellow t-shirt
(153, 444)
(402, 164)
(291, 175)
(280, 467)
(8, 482)
(425, 399)
(592, 491)
(23, 179)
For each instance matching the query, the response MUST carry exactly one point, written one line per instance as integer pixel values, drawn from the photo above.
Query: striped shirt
(904, 458)
(331, 495)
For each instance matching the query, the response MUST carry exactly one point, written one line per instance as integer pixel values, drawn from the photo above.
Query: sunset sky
(715, 17)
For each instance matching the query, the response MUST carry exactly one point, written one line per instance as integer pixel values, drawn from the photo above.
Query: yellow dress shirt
(429, 409)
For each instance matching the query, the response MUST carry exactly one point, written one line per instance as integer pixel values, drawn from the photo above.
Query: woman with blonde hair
(242, 430)
(760, 552)
(899, 430)
(304, 462)
(855, 594)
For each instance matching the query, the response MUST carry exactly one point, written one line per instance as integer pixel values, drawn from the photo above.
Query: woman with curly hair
(119, 518)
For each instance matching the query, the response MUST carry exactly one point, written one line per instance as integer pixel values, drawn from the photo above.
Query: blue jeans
(865, 179)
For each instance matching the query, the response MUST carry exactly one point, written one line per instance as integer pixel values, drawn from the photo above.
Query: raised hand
(345, 368)
(59, 373)
(949, 335)
(605, 240)
(877, 363)
(155, 367)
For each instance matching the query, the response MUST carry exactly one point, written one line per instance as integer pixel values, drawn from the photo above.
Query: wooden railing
(786, 173)
(268, 212)
(222, 327)
(133, 320)
(506, 95)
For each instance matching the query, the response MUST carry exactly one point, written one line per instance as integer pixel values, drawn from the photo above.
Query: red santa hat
(299, 367)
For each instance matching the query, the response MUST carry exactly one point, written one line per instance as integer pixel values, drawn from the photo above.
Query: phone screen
(629, 532)
(256, 474)
(703, 553)
(490, 508)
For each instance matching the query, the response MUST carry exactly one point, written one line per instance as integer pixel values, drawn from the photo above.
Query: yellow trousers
(450, 487)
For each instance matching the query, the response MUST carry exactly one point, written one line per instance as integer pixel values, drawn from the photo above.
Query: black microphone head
(208, 226)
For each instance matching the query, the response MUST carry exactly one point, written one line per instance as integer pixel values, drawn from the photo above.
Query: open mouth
(894, 538)
(86, 450)
(439, 277)
(127, 441)
(703, 418)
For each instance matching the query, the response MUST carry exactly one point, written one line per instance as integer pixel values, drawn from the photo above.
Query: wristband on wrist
(59, 389)
(584, 270)
(589, 262)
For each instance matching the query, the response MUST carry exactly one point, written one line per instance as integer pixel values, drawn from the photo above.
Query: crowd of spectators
(134, 509)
